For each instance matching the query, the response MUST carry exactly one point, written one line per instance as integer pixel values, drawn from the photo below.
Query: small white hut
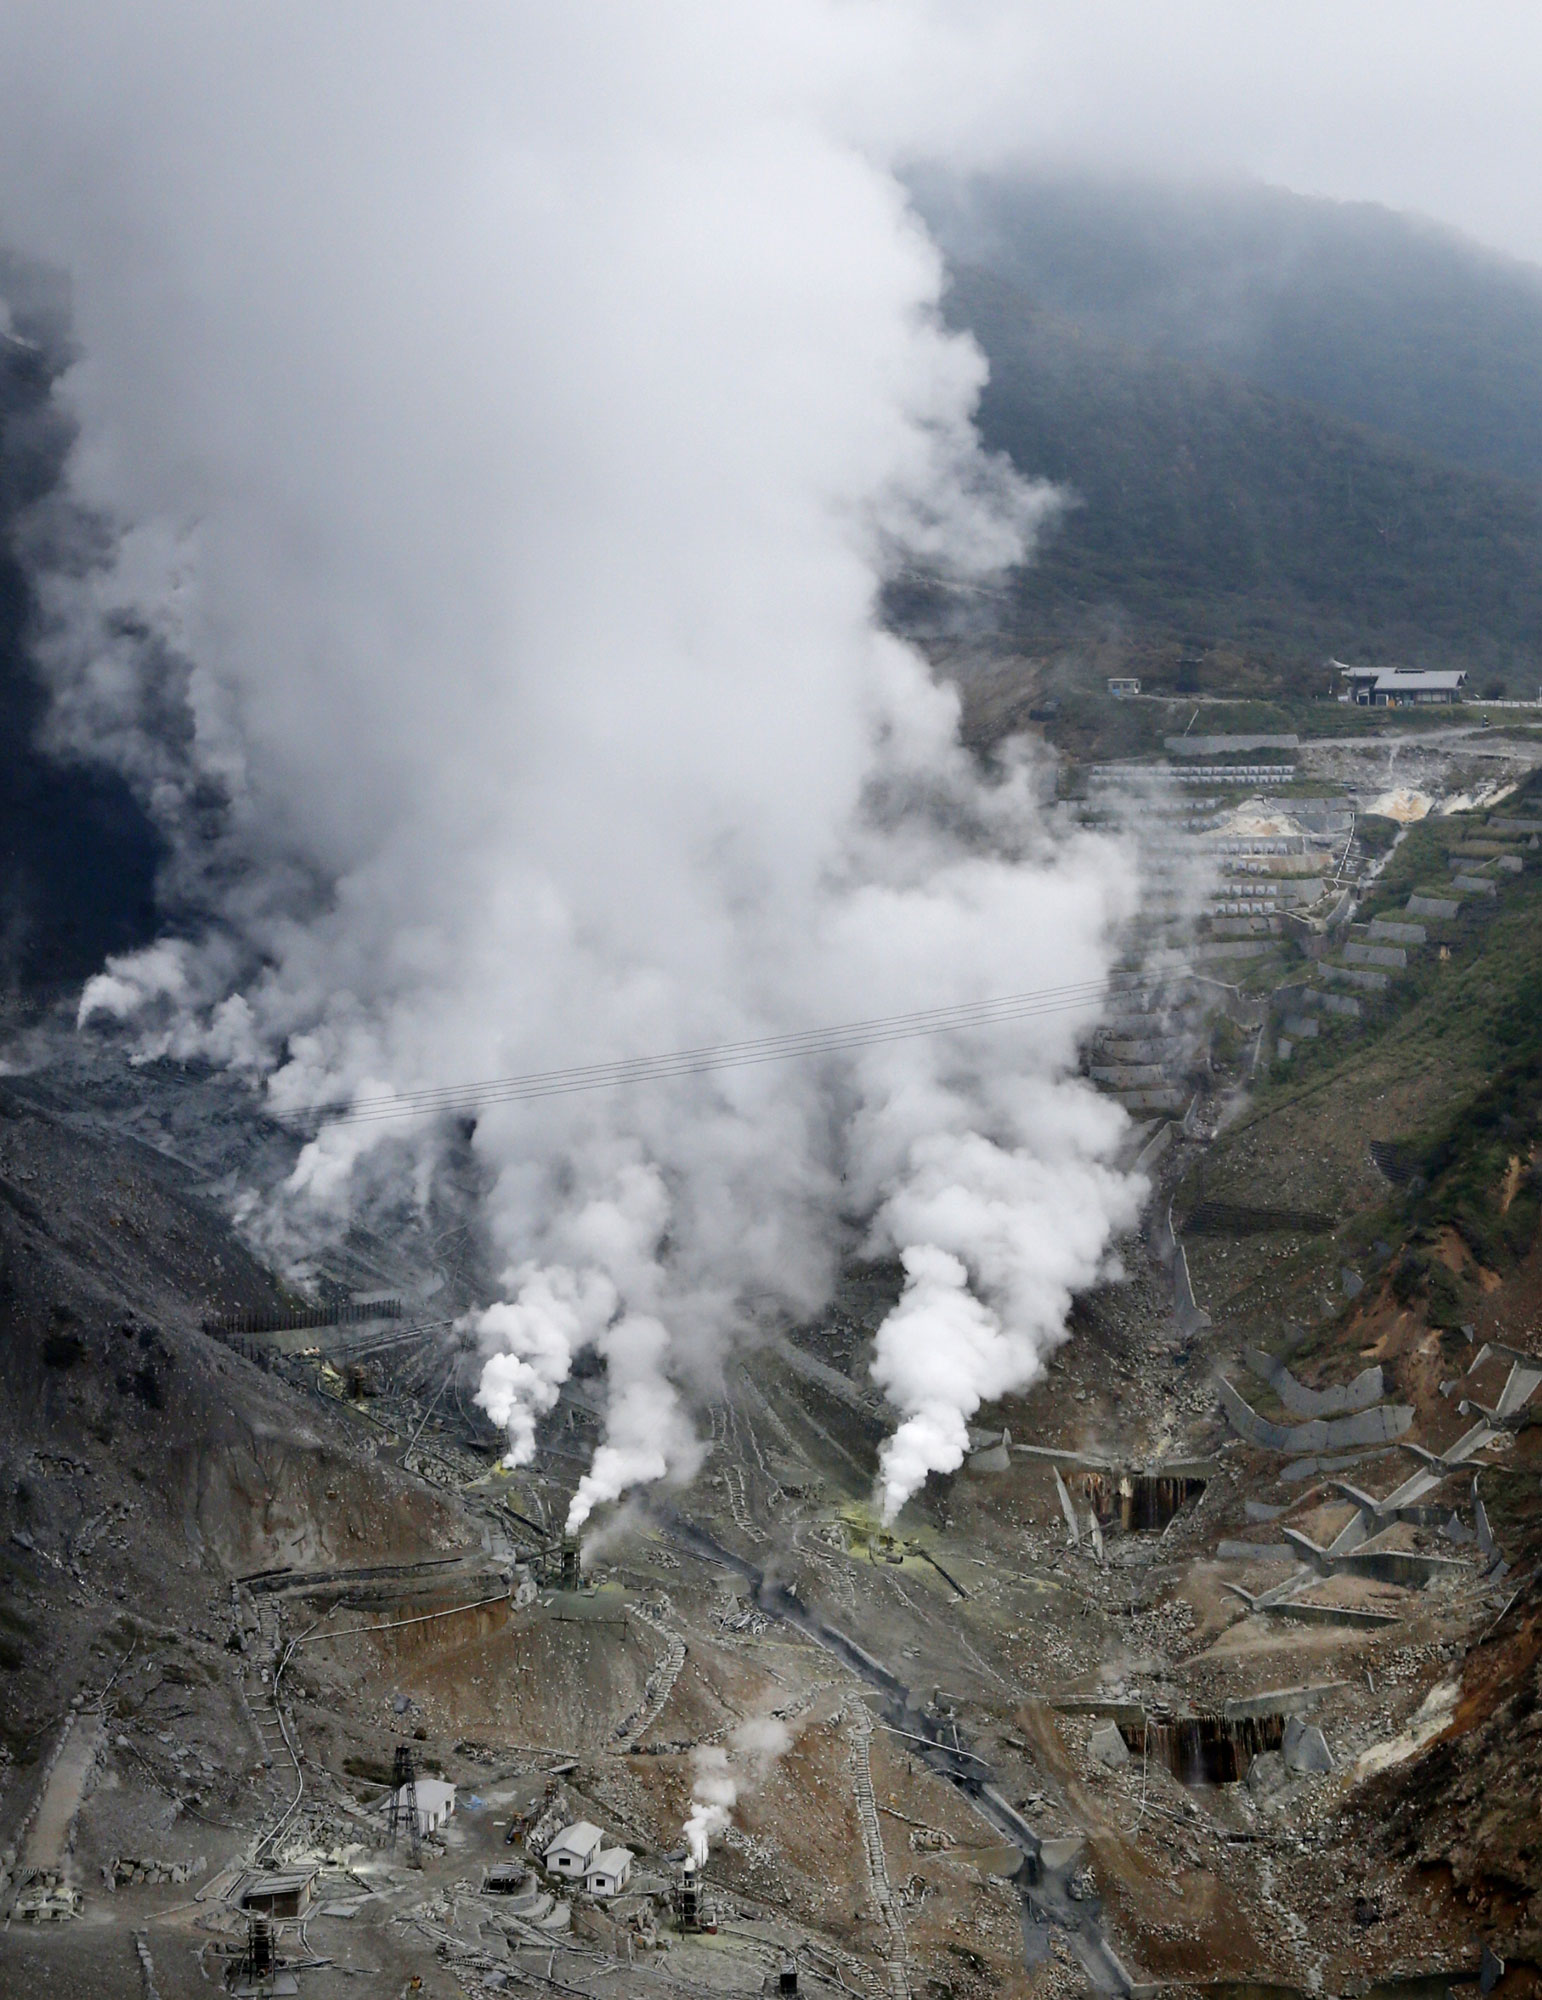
(609, 1871)
(436, 1803)
(574, 1850)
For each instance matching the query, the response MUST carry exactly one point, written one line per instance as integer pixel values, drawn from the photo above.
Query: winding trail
(48, 1836)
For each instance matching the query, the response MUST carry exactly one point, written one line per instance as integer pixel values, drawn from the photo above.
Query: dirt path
(61, 1800)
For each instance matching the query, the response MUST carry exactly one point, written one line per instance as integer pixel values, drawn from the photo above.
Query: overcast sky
(1430, 105)
(1421, 104)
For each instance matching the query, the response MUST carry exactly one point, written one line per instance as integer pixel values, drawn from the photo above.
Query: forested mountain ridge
(1382, 318)
(1216, 511)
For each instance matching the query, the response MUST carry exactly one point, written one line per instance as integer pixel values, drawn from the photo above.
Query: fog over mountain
(1294, 427)
(1387, 319)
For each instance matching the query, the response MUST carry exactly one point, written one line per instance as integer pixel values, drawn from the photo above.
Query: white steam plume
(502, 419)
(995, 1239)
(714, 1794)
(721, 1776)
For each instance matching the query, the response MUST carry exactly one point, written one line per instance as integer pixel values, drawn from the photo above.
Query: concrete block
(1212, 746)
(1279, 1701)
(1385, 931)
(1301, 1469)
(1343, 1399)
(1390, 955)
(1377, 1426)
(1153, 1049)
(1191, 1316)
(1247, 1423)
(1305, 1749)
(1473, 885)
(1432, 906)
(1149, 1100)
(1352, 975)
(1154, 1148)
(1304, 1611)
(1510, 864)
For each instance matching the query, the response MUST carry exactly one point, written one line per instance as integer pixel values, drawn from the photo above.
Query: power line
(934, 1020)
(828, 1040)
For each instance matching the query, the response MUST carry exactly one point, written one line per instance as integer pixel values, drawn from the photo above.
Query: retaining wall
(1342, 1400)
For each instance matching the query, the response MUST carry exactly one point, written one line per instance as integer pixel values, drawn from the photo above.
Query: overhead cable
(831, 1040)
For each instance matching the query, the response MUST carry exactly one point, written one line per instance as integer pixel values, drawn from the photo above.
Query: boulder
(1106, 1746)
(1267, 1775)
(1306, 1749)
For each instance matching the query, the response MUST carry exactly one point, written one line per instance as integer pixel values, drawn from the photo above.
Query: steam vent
(770, 1026)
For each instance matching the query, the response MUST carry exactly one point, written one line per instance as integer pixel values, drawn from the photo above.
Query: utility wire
(929, 1021)
(729, 1055)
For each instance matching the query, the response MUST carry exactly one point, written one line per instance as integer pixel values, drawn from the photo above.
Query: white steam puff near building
(579, 1854)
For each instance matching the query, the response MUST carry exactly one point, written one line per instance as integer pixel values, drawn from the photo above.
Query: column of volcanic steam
(497, 435)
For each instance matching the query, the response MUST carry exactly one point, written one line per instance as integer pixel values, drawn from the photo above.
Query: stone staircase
(880, 1893)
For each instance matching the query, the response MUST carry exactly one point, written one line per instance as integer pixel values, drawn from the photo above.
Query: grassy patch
(371, 1770)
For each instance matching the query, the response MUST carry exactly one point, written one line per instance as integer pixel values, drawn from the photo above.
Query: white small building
(1123, 687)
(609, 1872)
(575, 1849)
(436, 1803)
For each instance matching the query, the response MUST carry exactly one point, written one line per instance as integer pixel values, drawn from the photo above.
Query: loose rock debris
(1169, 1685)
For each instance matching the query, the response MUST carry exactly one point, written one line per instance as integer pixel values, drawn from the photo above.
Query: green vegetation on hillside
(1215, 514)
(1445, 1065)
(1379, 318)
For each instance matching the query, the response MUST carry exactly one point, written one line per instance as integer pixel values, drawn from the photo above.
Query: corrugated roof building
(1386, 687)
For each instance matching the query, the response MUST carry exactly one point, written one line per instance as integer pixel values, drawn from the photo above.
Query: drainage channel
(1048, 1905)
